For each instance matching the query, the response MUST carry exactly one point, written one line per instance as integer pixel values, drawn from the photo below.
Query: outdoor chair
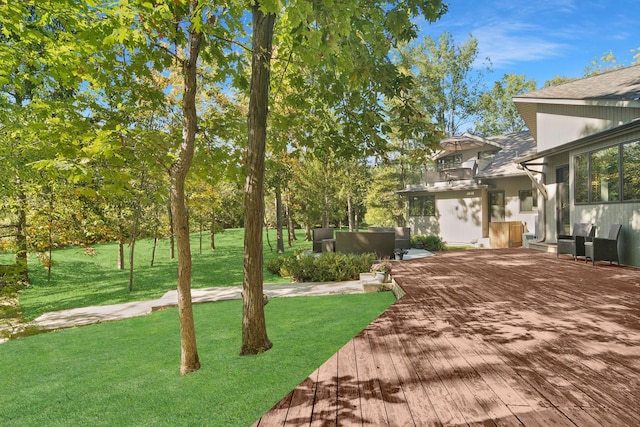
(574, 244)
(604, 248)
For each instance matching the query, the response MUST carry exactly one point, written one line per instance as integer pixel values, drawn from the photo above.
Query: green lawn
(127, 372)
(80, 280)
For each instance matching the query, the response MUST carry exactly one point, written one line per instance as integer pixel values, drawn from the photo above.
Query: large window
(528, 200)
(631, 171)
(581, 180)
(422, 206)
(605, 175)
(449, 162)
(610, 174)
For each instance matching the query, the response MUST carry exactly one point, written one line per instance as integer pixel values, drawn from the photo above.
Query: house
(475, 181)
(586, 167)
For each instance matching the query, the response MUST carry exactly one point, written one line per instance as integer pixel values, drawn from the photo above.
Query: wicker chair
(574, 244)
(604, 248)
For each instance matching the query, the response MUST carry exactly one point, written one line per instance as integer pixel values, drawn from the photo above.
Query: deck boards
(503, 337)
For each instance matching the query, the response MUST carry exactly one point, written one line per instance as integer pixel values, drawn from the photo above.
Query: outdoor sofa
(402, 235)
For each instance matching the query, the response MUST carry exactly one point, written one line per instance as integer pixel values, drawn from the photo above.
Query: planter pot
(380, 276)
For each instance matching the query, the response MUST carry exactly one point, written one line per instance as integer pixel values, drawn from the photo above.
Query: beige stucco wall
(460, 214)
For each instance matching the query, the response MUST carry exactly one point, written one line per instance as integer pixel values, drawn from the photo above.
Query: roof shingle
(619, 84)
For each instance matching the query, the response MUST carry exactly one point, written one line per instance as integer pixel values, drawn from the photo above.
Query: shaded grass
(127, 372)
(80, 280)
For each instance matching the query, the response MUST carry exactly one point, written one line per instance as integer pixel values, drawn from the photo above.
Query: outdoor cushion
(604, 249)
(574, 244)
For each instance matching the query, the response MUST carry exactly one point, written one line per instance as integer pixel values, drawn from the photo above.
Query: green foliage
(428, 242)
(385, 208)
(274, 265)
(449, 82)
(110, 374)
(498, 113)
(11, 278)
(327, 267)
(79, 280)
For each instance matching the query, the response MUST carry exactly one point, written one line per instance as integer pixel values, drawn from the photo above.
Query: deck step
(371, 283)
(544, 247)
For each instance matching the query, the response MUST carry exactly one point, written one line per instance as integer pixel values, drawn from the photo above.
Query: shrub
(428, 242)
(274, 265)
(327, 267)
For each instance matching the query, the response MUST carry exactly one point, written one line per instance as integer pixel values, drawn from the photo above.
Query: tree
(329, 39)
(254, 330)
(448, 81)
(178, 173)
(497, 113)
(384, 206)
(36, 86)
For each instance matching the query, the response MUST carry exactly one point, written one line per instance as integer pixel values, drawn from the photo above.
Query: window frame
(590, 196)
(534, 200)
(426, 205)
(450, 161)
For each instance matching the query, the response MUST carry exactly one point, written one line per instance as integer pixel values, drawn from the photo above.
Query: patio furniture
(320, 234)
(604, 248)
(403, 235)
(360, 242)
(574, 244)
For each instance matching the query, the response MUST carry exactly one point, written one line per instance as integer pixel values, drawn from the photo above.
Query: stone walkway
(105, 313)
(97, 314)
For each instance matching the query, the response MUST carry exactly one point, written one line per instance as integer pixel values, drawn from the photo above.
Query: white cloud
(513, 42)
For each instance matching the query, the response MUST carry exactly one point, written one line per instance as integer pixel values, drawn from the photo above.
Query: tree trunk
(279, 238)
(254, 330)
(291, 232)
(21, 235)
(350, 213)
(155, 245)
(120, 253)
(326, 211)
(266, 229)
(172, 243)
(132, 246)
(189, 360)
(212, 238)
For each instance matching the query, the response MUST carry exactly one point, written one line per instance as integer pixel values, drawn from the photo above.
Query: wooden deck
(488, 337)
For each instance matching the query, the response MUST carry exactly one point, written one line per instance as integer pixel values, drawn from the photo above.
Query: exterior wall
(461, 216)
(547, 209)
(602, 215)
(627, 214)
(560, 124)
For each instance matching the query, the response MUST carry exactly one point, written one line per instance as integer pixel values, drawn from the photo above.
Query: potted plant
(382, 270)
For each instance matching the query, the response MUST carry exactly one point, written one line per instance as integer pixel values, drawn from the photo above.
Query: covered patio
(486, 337)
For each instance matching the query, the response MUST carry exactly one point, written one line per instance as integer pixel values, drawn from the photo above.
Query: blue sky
(540, 38)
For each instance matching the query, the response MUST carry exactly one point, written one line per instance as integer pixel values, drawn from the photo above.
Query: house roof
(515, 145)
(620, 87)
(454, 186)
(619, 84)
(504, 164)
